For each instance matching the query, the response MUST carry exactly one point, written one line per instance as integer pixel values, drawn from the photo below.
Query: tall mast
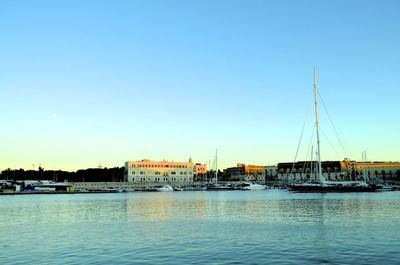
(317, 127)
(216, 166)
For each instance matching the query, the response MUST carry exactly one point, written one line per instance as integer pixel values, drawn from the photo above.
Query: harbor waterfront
(258, 227)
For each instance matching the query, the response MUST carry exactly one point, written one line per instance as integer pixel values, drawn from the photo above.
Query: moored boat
(335, 186)
(220, 187)
(251, 186)
(165, 188)
(216, 186)
(322, 185)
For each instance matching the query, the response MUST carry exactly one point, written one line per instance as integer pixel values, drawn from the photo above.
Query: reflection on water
(201, 227)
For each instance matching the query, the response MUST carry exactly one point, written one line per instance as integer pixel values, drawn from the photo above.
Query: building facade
(271, 173)
(377, 170)
(339, 170)
(245, 172)
(164, 172)
(200, 172)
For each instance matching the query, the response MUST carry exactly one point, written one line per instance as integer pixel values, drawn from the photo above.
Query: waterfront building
(339, 170)
(271, 173)
(377, 170)
(245, 172)
(148, 171)
(306, 170)
(200, 172)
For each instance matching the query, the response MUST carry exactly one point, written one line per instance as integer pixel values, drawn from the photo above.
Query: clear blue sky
(84, 83)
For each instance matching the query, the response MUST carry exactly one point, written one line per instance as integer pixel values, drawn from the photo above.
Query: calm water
(234, 227)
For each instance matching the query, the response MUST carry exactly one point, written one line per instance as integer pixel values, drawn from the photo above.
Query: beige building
(159, 171)
(339, 170)
(383, 171)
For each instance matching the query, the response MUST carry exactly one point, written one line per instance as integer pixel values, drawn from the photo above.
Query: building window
(173, 173)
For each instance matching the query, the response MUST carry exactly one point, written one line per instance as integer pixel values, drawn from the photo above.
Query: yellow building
(378, 170)
(245, 172)
(200, 171)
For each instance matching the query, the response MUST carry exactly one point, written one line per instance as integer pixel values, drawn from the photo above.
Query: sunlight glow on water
(233, 227)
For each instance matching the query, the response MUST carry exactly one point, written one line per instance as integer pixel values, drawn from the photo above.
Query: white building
(159, 171)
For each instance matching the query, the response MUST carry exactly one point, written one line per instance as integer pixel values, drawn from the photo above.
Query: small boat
(220, 187)
(110, 190)
(81, 190)
(251, 186)
(165, 188)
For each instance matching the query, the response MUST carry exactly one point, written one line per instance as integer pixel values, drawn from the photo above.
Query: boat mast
(209, 175)
(216, 166)
(365, 171)
(311, 163)
(317, 127)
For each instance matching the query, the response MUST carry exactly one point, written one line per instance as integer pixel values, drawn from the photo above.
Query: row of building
(146, 171)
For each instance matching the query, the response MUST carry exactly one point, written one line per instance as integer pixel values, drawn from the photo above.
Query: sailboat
(322, 185)
(216, 186)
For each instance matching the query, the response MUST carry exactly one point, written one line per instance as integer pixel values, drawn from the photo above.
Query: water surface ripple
(235, 227)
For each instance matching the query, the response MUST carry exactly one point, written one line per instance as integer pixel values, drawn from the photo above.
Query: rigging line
(330, 143)
(333, 125)
(298, 145)
(309, 148)
(300, 139)
(215, 164)
(311, 162)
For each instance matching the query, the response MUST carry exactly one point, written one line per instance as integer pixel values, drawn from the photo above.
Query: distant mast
(321, 178)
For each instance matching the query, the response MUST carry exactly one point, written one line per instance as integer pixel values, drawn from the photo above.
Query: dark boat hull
(305, 188)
